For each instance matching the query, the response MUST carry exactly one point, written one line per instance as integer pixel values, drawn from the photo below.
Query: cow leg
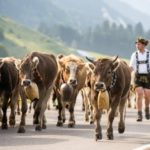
(4, 109)
(44, 122)
(63, 113)
(40, 109)
(90, 108)
(91, 114)
(36, 114)
(60, 107)
(71, 118)
(83, 100)
(21, 128)
(18, 107)
(71, 123)
(1, 115)
(13, 103)
(86, 106)
(54, 99)
(48, 105)
(129, 103)
(111, 116)
(121, 125)
(98, 130)
(30, 107)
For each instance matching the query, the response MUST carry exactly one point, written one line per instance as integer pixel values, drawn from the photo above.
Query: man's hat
(142, 40)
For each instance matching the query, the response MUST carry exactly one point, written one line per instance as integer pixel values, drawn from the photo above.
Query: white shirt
(141, 57)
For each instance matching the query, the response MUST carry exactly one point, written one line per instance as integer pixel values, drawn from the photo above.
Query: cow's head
(28, 70)
(103, 72)
(70, 70)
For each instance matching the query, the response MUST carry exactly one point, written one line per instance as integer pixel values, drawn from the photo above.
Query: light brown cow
(115, 77)
(86, 92)
(71, 80)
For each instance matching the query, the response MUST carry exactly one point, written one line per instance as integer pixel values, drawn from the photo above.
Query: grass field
(20, 40)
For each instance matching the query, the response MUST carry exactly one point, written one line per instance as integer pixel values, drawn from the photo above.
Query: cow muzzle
(73, 82)
(99, 86)
(26, 82)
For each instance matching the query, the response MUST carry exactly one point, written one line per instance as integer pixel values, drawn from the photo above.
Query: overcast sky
(142, 5)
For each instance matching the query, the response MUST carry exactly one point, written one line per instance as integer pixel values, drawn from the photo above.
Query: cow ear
(60, 56)
(18, 64)
(90, 66)
(115, 64)
(61, 63)
(35, 62)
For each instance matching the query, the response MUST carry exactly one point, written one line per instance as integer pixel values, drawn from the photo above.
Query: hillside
(33, 12)
(19, 40)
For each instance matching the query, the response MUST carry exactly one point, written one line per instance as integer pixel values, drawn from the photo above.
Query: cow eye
(67, 69)
(109, 72)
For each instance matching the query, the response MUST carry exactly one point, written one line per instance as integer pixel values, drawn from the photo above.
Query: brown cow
(114, 76)
(71, 80)
(86, 92)
(38, 72)
(9, 89)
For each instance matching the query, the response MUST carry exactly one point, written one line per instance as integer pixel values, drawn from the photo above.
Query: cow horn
(90, 60)
(115, 59)
(1, 65)
(18, 63)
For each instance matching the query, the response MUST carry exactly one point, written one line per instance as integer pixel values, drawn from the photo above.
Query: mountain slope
(33, 12)
(19, 40)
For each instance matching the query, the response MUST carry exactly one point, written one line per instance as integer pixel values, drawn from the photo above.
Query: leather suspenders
(143, 62)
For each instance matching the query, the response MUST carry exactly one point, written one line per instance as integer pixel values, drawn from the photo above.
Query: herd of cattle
(38, 75)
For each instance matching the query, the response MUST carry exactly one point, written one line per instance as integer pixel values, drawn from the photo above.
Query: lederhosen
(142, 80)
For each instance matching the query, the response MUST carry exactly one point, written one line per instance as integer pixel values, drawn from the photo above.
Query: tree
(139, 31)
(1, 34)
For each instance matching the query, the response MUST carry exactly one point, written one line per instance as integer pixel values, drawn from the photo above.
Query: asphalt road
(79, 138)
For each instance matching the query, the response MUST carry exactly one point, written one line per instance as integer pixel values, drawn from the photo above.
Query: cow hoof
(110, 137)
(44, 126)
(98, 136)
(18, 113)
(12, 122)
(121, 130)
(21, 130)
(64, 120)
(86, 119)
(129, 105)
(59, 124)
(91, 122)
(4, 126)
(71, 125)
(83, 109)
(38, 128)
(35, 121)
